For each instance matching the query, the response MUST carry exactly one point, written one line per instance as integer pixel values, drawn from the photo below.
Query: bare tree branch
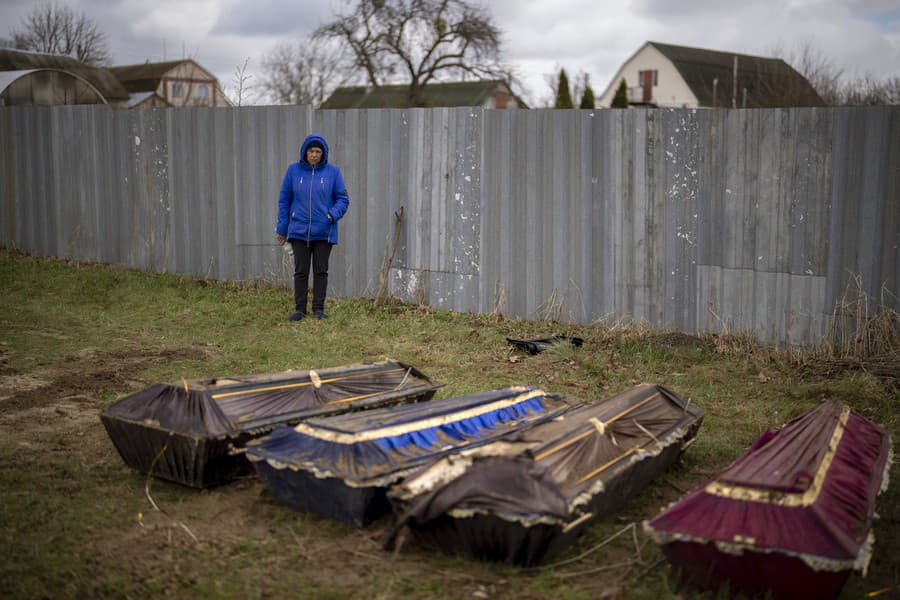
(868, 91)
(58, 29)
(832, 83)
(821, 72)
(425, 40)
(356, 30)
(242, 82)
(302, 73)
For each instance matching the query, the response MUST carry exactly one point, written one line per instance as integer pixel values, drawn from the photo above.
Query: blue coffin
(341, 466)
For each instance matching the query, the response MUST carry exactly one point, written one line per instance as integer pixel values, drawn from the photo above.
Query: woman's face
(313, 155)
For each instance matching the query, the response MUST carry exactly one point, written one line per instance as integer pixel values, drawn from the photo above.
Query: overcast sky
(862, 37)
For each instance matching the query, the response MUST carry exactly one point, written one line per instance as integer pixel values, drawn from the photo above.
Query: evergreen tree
(563, 95)
(620, 100)
(587, 98)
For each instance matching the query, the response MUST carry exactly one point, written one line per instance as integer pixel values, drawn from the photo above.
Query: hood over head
(314, 139)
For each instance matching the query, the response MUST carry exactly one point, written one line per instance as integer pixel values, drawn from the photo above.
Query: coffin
(522, 500)
(188, 432)
(341, 466)
(791, 518)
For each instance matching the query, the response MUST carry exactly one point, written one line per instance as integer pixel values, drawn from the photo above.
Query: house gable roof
(145, 77)
(455, 94)
(100, 78)
(770, 82)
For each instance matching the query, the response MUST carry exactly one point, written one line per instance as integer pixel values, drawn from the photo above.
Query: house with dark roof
(34, 78)
(485, 94)
(665, 75)
(171, 83)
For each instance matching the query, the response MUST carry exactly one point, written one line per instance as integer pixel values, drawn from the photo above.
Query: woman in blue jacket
(313, 199)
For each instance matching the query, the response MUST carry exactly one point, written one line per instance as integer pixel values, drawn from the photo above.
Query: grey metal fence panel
(9, 215)
(606, 215)
(698, 220)
(384, 188)
(42, 187)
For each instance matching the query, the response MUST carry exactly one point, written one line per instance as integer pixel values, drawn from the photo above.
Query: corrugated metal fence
(693, 220)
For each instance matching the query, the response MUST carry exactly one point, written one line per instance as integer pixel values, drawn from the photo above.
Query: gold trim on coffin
(751, 494)
(314, 377)
(374, 434)
(860, 562)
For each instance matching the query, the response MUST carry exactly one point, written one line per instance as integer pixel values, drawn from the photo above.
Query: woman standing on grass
(313, 199)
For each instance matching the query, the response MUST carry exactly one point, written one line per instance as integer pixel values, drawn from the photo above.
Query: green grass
(75, 337)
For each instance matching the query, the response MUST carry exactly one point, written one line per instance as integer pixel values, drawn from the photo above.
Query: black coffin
(522, 500)
(193, 432)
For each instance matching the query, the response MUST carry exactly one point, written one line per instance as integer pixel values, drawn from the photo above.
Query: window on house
(177, 90)
(655, 75)
(202, 91)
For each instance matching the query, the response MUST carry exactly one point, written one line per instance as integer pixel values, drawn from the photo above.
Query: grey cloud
(665, 9)
(271, 17)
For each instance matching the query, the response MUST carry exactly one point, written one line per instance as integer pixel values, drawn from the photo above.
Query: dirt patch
(51, 418)
(76, 379)
(20, 384)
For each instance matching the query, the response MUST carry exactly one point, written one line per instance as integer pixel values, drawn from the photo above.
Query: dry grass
(864, 334)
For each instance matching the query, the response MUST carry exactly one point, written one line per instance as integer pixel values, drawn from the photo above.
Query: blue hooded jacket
(309, 193)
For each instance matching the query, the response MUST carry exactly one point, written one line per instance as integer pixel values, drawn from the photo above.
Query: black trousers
(304, 253)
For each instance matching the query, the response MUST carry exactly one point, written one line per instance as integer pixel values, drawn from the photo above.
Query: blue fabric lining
(462, 429)
(366, 460)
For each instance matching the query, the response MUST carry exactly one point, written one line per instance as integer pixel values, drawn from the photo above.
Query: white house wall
(670, 91)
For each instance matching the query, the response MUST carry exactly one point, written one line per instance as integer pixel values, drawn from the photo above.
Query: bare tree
(551, 82)
(833, 85)
(60, 30)
(418, 42)
(818, 69)
(241, 81)
(868, 91)
(302, 73)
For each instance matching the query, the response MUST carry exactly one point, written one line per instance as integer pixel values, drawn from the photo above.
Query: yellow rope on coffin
(288, 386)
(596, 429)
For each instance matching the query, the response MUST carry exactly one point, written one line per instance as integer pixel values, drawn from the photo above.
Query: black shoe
(320, 314)
(297, 316)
